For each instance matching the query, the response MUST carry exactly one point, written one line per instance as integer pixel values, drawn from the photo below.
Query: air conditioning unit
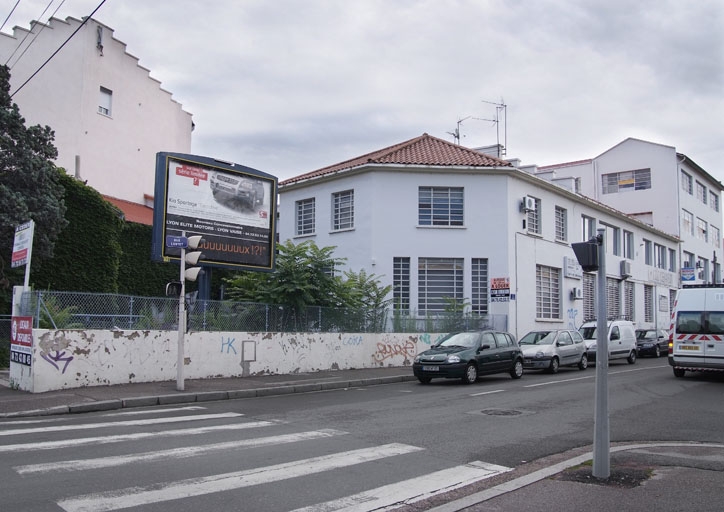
(577, 293)
(625, 269)
(527, 204)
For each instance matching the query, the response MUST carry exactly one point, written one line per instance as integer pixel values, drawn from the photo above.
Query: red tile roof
(133, 212)
(424, 150)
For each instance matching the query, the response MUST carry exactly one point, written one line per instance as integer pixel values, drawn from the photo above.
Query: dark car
(467, 355)
(652, 342)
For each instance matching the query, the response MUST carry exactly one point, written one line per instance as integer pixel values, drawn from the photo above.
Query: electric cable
(35, 36)
(11, 13)
(58, 50)
(27, 34)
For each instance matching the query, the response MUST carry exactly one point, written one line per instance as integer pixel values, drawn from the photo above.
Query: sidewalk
(666, 476)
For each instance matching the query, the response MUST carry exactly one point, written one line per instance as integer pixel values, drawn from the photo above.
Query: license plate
(689, 347)
(430, 368)
(648, 345)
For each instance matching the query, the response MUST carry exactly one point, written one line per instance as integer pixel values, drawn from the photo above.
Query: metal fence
(74, 310)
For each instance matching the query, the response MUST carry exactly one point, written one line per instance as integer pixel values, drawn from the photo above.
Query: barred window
(625, 181)
(714, 200)
(589, 297)
(561, 224)
(547, 292)
(343, 210)
(613, 298)
(701, 231)
(440, 206)
(687, 183)
(648, 303)
(479, 276)
(628, 292)
(534, 218)
(714, 236)
(305, 216)
(401, 283)
(701, 192)
(440, 280)
(687, 222)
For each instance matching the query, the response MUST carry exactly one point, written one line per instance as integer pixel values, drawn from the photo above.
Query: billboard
(233, 207)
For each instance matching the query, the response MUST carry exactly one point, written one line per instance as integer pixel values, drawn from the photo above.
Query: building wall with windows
(109, 115)
(439, 232)
(662, 188)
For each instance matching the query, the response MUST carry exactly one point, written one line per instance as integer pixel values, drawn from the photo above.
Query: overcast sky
(290, 86)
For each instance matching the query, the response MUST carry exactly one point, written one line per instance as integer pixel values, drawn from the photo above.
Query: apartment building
(440, 221)
(109, 115)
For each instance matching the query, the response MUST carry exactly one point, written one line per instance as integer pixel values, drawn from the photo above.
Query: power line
(60, 48)
(11, 13)
(28, 33)
(42, 27)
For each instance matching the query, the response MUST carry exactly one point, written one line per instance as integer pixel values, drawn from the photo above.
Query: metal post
(601, 434)
(181, 322)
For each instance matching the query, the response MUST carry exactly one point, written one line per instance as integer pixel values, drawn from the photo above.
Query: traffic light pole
(601, 433)
(181, 322)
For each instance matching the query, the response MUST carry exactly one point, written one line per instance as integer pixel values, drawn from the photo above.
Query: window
(440, 206)
(613, 239)
(687, 183)
(714, 200)
(547, 292)
(401, 284)
(672, 260)
(701, 192)
(687, 222)
(305, 217)
(640, 179)
(561, 224)
(613, 298)
(659, 256)
(440, 280)
(105, 101)
(534, 218)
(343, 210)
(628, 294)
(479, 277)
(628, 245)
(701, 232)
(502, 340)
(688, 260)
(714, 236)
(702, 269)
(589, 297)
(648, 303)
(588, 225)
(648, 252)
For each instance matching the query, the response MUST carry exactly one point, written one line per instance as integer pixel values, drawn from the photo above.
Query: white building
(662, 188)
(109, 116)
(441, 221)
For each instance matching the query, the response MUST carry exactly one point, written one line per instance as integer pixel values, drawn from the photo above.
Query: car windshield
(646, 335)
(589, 333)
(461, 339)
(538, 338)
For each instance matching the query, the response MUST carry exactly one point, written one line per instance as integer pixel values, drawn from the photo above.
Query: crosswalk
(189, 459)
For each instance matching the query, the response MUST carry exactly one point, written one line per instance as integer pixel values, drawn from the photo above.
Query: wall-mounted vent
(577, 293)
(625, 269)
(527, 204)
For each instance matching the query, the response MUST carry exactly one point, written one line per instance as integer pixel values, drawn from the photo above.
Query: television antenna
(499, 107)
(456, 133)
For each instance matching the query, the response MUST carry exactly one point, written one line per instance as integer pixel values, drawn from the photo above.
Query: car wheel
(424, 380)
(517, 371)
(471, 374)
(583, 363)
(632, 357)
(657, 351)
(554, 366)
(679, 372)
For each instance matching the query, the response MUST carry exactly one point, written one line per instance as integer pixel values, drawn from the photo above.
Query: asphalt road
(292, 451)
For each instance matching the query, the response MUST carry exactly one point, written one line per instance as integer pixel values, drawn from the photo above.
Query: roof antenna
(500, 107)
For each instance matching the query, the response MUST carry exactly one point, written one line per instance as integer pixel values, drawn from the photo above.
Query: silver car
(551, 349)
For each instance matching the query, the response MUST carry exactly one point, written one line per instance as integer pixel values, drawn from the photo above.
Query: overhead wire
(42, 27)
(27, 34)
(58, 50)
(11, 13)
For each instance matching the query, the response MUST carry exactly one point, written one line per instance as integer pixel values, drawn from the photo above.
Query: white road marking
(591, 376)
(133, 412)
(139, 496)
(129, 423)
(66, 443)
(488, 392)
(176, 453)
(410, 491)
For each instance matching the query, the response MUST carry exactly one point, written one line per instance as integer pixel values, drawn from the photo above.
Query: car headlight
(417, 358)
(453, 359)
(540, 355)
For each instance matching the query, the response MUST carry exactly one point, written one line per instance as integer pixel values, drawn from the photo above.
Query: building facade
(109, 116)
(663, 188)
(441, 222)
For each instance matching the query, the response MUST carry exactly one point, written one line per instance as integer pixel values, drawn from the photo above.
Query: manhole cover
(500, 412)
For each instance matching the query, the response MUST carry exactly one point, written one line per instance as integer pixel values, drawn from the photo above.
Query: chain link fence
(75, 310)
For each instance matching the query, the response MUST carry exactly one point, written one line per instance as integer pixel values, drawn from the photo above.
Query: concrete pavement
(666, 476)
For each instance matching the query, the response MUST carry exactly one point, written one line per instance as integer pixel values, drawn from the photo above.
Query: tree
(29, 181)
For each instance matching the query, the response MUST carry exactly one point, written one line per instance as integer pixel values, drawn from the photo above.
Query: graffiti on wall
(427, 339)
(228, 344)
(385, 351)
(572, 314)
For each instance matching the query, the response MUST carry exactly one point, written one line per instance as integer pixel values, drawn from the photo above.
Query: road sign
(177, 241)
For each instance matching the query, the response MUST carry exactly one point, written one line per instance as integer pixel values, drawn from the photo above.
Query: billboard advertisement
(233, 207)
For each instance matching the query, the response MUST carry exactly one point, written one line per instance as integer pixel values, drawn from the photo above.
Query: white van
(621, 340)
(696, 337)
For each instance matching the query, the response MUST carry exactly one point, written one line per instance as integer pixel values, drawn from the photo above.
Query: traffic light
(587, 254)
(191, 259)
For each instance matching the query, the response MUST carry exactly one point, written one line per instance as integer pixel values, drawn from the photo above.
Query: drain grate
(501, 412)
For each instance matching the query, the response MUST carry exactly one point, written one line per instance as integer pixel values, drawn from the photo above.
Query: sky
(291, 86)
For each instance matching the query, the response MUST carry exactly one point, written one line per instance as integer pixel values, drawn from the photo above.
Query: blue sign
(177, 241)
(688, 274)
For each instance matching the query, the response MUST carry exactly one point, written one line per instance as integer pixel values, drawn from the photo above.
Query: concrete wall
(72, 359)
